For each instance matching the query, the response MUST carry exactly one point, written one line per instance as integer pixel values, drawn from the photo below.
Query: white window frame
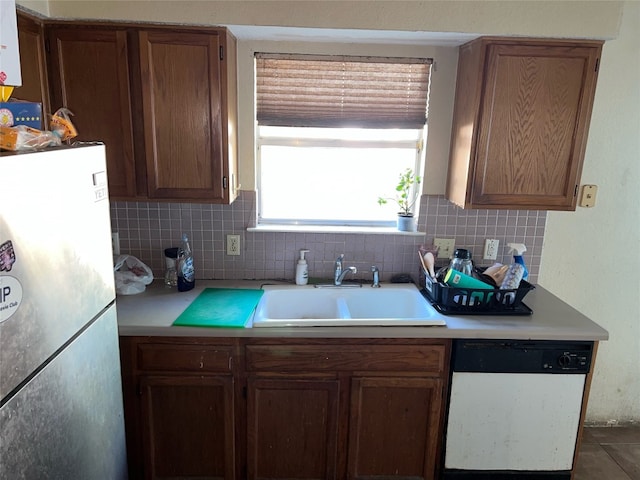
(418, 145)
(390, 224)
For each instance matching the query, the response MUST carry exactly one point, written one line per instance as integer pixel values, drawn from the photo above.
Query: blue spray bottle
(519, 249)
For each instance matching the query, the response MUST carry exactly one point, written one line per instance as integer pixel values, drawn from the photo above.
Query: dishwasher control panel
(568, 360)
(521, 356)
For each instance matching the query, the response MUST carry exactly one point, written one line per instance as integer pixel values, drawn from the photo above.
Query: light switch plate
(446, 246)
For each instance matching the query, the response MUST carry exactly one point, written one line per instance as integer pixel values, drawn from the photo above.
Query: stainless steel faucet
(376, 277)
(340, 272)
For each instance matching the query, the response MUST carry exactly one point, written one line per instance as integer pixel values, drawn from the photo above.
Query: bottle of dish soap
(302, 269)
(519, 249)
(186, 271)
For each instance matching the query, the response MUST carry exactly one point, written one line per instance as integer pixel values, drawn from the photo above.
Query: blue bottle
(519, 249)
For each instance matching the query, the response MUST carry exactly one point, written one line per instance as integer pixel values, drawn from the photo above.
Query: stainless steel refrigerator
(60, 389)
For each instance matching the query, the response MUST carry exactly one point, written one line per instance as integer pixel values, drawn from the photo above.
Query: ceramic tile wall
(147, 228)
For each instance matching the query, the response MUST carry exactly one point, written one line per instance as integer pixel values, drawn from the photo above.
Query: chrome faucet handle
(376, 277)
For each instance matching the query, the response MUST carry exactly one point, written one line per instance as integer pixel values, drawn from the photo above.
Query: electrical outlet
(491, 248)
(588, 198)
(446, 246)
(233, 244)
(115, 243)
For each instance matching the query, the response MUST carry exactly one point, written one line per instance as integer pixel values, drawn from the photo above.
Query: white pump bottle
(302, 269)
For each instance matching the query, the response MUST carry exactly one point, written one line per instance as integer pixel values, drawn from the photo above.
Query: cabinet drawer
(418, 358)
(184, 358)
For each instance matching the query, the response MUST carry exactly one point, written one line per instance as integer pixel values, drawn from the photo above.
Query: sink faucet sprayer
(376, 277)
(340, 272)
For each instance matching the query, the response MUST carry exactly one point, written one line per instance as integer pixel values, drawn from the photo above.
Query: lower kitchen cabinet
(394, 427)
(179, 408)
(292, 428)
(187, 426)
(344, 409)
(284, 408)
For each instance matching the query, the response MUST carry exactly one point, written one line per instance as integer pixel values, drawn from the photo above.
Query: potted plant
(406, 196)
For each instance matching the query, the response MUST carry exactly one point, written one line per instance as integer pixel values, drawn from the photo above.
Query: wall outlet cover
(588, 198)
(491, 249)
(233, 244)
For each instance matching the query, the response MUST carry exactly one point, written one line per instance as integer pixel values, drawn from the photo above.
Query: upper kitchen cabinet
(89, 69)
(35, 86)
(189, 104)
(520, 124)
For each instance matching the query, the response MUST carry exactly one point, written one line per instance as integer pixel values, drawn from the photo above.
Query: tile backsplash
(147, 228)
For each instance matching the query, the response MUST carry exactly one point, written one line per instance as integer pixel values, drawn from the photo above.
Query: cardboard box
(8, 138)
(21, 113)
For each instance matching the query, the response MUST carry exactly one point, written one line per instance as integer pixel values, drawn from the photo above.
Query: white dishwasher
(514, 408)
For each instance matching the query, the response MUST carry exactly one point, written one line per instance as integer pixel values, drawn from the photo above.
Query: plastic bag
(61, 124)
(22, 137)
(131, 275)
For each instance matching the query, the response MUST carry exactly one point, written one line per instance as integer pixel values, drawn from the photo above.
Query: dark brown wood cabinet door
(35, 85)
(90, 77)
(187, 427)
(394, 427)
(533, 126)
(292, 428)
(182, 97)
(520, 123)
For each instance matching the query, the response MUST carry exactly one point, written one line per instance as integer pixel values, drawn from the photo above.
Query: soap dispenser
(302, 269)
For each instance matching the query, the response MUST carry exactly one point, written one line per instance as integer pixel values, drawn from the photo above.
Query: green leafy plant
(406, 192)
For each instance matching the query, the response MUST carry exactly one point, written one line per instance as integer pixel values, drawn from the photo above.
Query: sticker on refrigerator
(10, 296)
(7, 256)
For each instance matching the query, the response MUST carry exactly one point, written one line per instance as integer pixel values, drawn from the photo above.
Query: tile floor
(609, 453)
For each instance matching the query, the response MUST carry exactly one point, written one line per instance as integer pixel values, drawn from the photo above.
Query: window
(334, 134)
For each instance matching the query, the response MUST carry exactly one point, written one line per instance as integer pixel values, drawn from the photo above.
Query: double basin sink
(307, 306)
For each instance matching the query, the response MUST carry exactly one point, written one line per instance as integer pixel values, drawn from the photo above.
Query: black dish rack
(475, 301)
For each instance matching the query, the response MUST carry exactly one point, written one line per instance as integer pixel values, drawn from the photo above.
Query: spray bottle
(519, 249)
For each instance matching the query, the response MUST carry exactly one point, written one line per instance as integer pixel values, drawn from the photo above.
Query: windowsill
(332, 229)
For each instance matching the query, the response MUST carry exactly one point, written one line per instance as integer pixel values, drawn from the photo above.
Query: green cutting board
(220, 307)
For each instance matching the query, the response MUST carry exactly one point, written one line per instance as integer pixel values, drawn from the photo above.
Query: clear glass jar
(171, 274)
(461, 261)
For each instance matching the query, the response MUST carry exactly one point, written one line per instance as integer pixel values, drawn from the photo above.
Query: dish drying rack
(450, 300)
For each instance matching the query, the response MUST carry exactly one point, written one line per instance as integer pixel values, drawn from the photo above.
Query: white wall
(579, 19)
(591, 257)
(583, 250)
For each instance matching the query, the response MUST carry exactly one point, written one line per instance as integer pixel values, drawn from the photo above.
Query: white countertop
(152, 313)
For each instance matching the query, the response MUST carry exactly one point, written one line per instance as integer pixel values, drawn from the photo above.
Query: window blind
(341, 91)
